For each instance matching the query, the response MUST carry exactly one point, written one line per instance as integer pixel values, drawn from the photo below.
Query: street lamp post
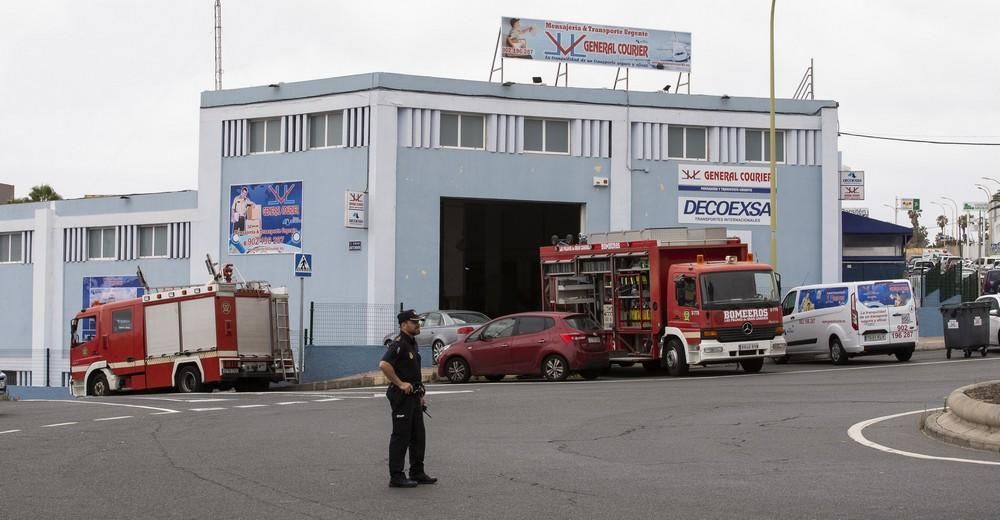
(989, 200)
(956, 228)
(774, 177)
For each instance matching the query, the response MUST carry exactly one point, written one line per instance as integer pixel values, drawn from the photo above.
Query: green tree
(40, 193)
(919, 238)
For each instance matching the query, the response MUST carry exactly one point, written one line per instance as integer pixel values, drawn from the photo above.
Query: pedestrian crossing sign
(303, 264)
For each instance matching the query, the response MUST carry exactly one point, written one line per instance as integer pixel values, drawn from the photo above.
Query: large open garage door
(489, 252)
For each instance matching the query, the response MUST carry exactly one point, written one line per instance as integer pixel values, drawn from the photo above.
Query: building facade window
(153, 241)
(687, 142)
(463, 131)
(546, 136)
(326, 130)
(101, 243)
(758, 146)
(265, 135)
(10, 248)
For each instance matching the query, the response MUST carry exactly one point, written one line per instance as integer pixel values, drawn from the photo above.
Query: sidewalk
(931, 343)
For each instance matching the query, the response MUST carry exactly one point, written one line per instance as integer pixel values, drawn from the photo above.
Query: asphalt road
(718, 444)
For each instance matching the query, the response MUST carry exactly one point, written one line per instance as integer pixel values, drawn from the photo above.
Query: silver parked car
(3, 384)
(440, 328)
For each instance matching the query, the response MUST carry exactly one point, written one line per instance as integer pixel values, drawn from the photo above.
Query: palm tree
(942, 221)
(43, 192)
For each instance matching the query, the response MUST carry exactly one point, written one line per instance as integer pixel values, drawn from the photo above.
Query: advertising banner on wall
(723, 179)
(98, 290)
(724, 210)
(265, 218)
(595, 44)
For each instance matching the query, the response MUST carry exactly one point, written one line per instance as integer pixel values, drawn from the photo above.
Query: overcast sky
(101, 97)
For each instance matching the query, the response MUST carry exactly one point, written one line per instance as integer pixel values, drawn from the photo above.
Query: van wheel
(752, 366)
(99, 386)
(555, 368)
(837, 353)
(904, 355)
(675, 359)
(188, 380)
(457, 370)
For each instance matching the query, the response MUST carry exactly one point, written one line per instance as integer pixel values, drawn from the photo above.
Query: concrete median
(970, 417)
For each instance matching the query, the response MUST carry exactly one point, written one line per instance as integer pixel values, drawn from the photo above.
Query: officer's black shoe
(402, 482)
(423, 478)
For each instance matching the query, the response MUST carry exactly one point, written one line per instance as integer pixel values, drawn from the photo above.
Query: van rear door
(886, 312)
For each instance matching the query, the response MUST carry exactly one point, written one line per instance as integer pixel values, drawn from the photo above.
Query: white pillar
(832, 235)
(46, 301)
(206, 234)
(620, 176)
(382, 204)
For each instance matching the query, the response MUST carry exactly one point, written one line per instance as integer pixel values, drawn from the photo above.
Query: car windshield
(468, 318)
(582, 322)
(739, 288)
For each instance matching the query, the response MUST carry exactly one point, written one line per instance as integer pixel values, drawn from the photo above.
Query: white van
(850, 319)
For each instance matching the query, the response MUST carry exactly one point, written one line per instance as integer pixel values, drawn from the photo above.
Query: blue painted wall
(168, 201)
(20, 211)
(15, 310)
(325, 363)
(425, 176)
(654, 204)
(339, 275)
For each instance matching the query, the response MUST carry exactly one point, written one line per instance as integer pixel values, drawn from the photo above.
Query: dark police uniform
(407, 418)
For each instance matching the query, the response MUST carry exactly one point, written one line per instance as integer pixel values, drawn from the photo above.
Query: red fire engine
(670, 298)
(218, 335)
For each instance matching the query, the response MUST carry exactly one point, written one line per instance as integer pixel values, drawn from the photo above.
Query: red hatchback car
(553, 344)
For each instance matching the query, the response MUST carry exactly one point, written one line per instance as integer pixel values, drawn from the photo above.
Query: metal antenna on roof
(218, 44)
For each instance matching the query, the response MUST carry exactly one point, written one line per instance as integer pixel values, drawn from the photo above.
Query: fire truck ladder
(284, 363)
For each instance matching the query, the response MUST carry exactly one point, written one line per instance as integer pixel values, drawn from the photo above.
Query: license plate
(593, 339)
(875, 337)
(747, 346)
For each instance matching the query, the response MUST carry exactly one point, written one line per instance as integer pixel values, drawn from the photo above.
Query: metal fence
(943, 285)
(335, 324)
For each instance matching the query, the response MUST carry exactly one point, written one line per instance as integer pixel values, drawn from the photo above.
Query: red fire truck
(191, 339)
(670, 298)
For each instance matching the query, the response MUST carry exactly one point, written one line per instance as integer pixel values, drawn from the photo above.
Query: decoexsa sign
(724, 210)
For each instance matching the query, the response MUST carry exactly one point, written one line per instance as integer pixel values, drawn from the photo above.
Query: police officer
(401, 365)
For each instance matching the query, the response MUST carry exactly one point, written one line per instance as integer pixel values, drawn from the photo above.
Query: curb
(966, 421)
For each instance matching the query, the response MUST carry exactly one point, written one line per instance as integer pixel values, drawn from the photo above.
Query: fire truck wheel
(752, 366)
(676, 360)
(436, 348)
(99, 385)
(837, 353)
(458, 370)
(555, 368)
(188, 380)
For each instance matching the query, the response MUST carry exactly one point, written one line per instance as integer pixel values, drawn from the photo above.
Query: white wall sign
(852, 192)
(723, 179)
(355, 210)
(861, 212)
(852, 178)
(724, 210)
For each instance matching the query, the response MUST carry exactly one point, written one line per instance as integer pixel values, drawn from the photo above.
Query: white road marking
(114, 418)
(290, 402)
(163, 411)
(439, 392)
(9, 431)
(206, 409)
(58, 424)
(251, 406)
(327, 400)
(175, 400)
(856, 433)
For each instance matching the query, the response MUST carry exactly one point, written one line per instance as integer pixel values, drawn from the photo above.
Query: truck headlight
(712, 350)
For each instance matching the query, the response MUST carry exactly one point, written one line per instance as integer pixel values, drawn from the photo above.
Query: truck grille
(734, 334)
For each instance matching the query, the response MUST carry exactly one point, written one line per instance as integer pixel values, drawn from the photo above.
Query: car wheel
(436, 349)
(188, 380)
(752, 366)
(458, 370)
(904, 355)
(783, 360)
(495, 377)
(837, 353)
(555, 368)
(675, 359)
(99, 385)
(590, 374)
